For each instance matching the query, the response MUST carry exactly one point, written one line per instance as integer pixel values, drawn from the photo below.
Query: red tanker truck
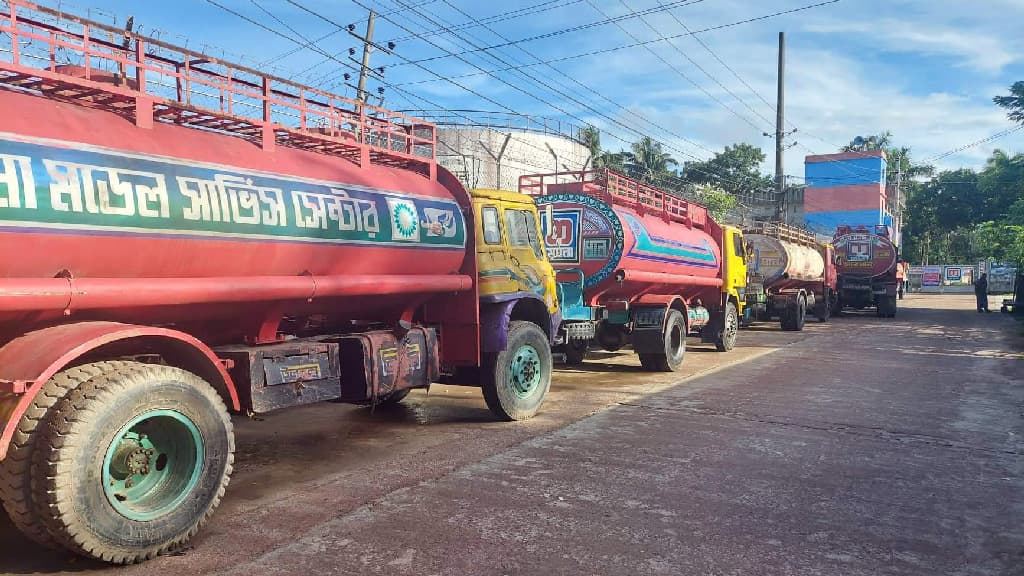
(866, 264)
(791, 275)
(183, 237)
(637, 266)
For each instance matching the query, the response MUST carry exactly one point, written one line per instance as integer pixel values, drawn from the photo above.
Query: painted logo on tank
(562, 236)
(52, 188)
(864, 254)
(657, 249)
(597, 217)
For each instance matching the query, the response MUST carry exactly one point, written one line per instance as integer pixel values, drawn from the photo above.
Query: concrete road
(858, 447)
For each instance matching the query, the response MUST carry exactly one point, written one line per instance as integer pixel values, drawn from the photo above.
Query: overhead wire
(504, 16)
(691, 61)
(624, 46)
(503, 81)
(574, 80)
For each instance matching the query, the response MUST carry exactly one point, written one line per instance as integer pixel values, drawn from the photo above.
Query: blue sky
(924, 69)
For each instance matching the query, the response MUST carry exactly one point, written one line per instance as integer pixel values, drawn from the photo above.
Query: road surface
(858, 447)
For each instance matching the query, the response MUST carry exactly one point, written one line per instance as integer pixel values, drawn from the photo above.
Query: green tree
(736, 170)
(648, 161)
(718, 201)
(999, 241)
(877, 142)
(1014, 103)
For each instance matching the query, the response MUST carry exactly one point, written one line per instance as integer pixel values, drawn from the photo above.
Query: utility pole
(780, 125)
(367, 48)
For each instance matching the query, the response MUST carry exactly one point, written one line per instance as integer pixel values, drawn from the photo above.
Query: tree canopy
(736, 170)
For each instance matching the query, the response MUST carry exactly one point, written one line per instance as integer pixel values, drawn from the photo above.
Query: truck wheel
(133, 463)
(794, 315)
(516, 379)
(575, 351)
(886, 307)
(823, 310)
(16, 469)
(671, 359)
(730, 329)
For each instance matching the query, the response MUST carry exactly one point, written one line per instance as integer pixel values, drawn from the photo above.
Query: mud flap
(648, 335)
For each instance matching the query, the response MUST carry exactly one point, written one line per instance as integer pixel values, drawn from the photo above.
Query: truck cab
(510, 252)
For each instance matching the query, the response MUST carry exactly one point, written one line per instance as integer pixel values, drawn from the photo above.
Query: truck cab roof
(501, 196)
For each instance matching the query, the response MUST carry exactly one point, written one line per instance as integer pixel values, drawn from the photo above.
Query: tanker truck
(866, 265)
(791, 275)
(637, 266)
(184, 238)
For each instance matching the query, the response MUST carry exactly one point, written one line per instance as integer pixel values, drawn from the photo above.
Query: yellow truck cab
(510, 251)
(734, 272)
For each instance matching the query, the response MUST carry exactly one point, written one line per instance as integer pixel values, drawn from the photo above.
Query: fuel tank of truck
(623, 252)
(160, 218)
(863, 252)
(776, 259)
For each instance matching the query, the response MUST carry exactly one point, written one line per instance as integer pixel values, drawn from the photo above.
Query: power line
(511, 85)
(510, 15)
(692, 61)
(662, 8)
(991, 138)
(578, 83)
(620, 47)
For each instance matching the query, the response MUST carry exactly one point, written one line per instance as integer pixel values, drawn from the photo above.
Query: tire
(516, 380)
(886, 307)
(726, 340)
(671, 359)
(823, 311)
(575, 352)
(16, 470)
(133, 463)
(794, 316)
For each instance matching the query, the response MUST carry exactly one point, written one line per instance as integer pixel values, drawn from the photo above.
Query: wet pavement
(861, 446)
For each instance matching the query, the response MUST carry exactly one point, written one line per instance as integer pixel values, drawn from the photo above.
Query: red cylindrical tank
(864, 253)
(202, 225)
(625, 253)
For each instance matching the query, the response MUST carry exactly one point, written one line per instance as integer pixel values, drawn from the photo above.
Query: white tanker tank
(791, 274)
(777, 259)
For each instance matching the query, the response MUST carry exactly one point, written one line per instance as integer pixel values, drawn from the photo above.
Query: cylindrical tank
(775, 259)
(624, 253)
(864, 254)
(193, 217)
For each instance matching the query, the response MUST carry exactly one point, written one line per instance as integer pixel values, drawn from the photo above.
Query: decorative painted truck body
(637, 265)
(866, 264)
(791, 274)
(171, 256)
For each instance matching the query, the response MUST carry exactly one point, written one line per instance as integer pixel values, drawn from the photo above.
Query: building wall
(469, 154)
(845, 188)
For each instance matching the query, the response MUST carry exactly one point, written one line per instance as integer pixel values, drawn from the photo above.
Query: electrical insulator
(380, 90)
(391, 45)
(347, 76)
(351, 51)
(381, 70)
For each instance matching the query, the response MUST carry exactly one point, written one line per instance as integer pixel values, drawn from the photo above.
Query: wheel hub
(152, 465)
(525, 373)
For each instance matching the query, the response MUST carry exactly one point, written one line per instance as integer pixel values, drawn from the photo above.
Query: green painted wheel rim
(152, 464)
(525, 372)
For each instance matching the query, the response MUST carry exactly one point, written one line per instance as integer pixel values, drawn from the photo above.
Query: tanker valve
(620, 276)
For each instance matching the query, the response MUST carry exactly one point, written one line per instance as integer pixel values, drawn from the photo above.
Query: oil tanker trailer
(866, 265)
(637, 266)
(791, 275)
(184, 238)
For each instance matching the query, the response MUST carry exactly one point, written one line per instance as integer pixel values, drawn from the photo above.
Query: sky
(926, 70)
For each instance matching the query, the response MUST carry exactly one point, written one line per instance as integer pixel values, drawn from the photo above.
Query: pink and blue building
(847, 188)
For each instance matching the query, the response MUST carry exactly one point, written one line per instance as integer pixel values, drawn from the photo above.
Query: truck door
(527, 260)
(491, 251)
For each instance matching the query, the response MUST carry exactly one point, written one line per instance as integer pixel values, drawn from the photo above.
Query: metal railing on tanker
(146, 80)
(616, 188)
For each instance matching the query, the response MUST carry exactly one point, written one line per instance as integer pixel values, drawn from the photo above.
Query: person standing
(981, 293)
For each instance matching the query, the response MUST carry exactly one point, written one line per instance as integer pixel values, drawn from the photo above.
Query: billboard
(931, 276)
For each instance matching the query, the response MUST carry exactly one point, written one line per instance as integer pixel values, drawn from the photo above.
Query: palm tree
(648, 161)
(600, 158)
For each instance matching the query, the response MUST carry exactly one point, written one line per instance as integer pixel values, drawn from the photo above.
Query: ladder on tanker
(52, 54)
